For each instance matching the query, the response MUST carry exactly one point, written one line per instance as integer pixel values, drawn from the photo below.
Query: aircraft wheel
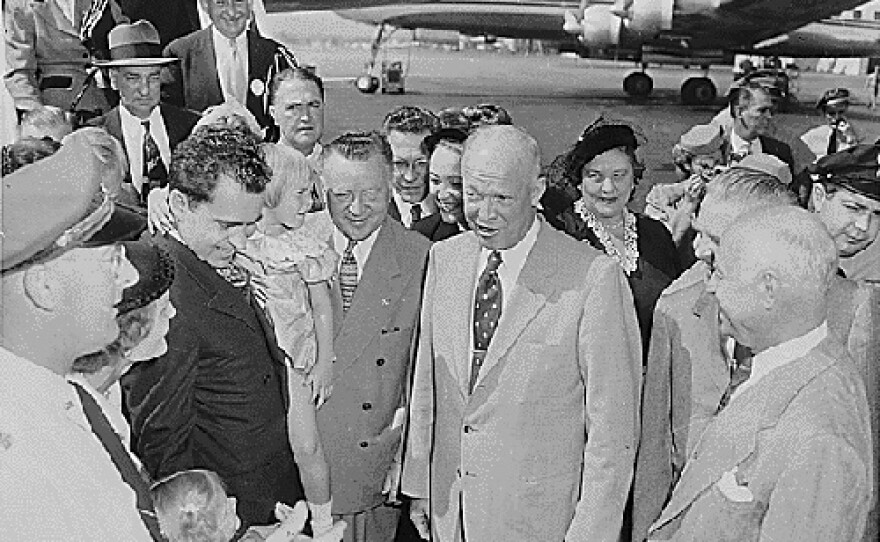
(638, 84)
(698, 91)
(367, 84)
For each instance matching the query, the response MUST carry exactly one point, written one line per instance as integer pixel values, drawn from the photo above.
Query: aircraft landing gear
(638, 84)
(698, 91)
(369, 83)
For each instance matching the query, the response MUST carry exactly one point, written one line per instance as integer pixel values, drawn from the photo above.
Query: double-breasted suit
(543, 448)
(788, 460)
(360, 425)
(195, 84)
(216, 399)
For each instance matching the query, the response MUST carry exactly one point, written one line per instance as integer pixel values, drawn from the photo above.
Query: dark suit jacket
(216, 399)
(373, 344)
(179, 122)
(194, 83)
(434, 228)
(778, 149)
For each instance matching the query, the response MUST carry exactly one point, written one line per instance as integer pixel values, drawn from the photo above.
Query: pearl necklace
(629, 259)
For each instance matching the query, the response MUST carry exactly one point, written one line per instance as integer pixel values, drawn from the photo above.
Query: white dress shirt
(223, 53)
(513, 260)
(774, 357)
(405, 208)
(740, 146)
(361, 250)
(57, 481)
(133, 134)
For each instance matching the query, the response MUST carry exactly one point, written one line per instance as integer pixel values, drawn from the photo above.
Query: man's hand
(420, 515)
(392, 482)
(292, 522)
(159, 217)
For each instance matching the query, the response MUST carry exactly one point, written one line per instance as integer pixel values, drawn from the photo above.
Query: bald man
(525, 397)
(788, 457)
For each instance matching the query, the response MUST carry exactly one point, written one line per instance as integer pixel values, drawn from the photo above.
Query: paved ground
(552, 97)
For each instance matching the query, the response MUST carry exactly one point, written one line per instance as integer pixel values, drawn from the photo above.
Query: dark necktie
(121, 459)
(348, 275)
(487, 312)
(832, 142)
(154, 171)
(416, 212)
(740, 373)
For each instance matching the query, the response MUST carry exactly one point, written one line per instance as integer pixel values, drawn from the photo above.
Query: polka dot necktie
(487, 312)
(155, 174)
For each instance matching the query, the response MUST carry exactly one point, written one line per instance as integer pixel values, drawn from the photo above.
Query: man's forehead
(402, 142)
(233, 203)
(863, 201)
(140, 70)
(340, 173)
(297, 90)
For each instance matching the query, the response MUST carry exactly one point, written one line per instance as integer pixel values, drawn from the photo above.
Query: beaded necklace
(629, 259)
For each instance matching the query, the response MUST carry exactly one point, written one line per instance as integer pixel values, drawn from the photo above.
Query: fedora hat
(135, 44)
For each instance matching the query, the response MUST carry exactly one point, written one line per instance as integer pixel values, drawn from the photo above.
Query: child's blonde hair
(190, 506)
(290, 170)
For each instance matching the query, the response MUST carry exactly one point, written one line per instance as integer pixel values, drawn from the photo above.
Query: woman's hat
(833, 97)
(155, 268)
(135, 44)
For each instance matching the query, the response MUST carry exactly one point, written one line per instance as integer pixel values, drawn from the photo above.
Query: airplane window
(857, 14)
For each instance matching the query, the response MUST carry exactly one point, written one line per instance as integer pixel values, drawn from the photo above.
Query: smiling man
(376, 309)
(225, 61)
(524, 415)
(215, 400)
(148, 130)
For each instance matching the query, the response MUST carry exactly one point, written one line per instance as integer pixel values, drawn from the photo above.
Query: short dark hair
(410, 119)
(215, 150)
(360, 147)
(295, 74)
(449, 135)
(745, 93)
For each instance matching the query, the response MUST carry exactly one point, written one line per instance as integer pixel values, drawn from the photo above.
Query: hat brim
(125, 224)
(135, 62)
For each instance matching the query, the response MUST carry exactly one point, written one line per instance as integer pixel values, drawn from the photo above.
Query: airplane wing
(280, 6)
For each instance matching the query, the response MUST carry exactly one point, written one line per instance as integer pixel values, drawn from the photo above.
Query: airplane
(685, 32)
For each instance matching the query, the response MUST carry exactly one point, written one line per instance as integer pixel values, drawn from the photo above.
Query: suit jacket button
(367, 406)
(468, 428)
(380, 362)
(363, 444)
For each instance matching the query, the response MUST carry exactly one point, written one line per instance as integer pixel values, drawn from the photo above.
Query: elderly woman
(589, 188)
(444, 182)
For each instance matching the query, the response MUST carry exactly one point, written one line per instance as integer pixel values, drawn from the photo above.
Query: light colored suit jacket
(788, 460)
(373, 345)
(543, 448)
(687, 374)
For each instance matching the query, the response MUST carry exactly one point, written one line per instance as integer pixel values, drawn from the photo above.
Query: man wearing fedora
(225, 61)
(63, 272)
(148, 129)
(836, 133)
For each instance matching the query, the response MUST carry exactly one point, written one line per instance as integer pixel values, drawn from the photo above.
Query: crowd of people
(218, 324)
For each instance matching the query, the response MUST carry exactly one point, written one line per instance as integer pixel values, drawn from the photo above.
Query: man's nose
(357, 205)
(863, 221)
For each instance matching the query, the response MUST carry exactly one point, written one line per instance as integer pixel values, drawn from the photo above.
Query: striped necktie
(154, 171)
(348, 275)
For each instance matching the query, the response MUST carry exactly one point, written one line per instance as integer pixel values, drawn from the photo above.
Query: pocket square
(731, 489)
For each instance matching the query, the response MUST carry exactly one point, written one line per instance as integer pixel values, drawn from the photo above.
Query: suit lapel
(113, 125)
(731, 437)
(378, 291)
(528, 298)
(706, 309)
(205, 60)
(259, 58)
(453, 306)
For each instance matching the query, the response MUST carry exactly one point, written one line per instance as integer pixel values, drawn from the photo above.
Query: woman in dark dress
(588, 190)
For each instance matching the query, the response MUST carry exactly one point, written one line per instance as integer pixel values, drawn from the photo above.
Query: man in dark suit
(376, 313)
(148, 130)
(216, 399)
(444, 181)
(406, 127)
(752, 110)
(225, 61)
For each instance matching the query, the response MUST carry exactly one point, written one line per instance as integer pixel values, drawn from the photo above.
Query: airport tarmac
(553, 97)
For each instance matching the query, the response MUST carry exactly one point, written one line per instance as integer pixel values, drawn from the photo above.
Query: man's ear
(42, 287)
(538, 187)
(272, 111)
(114, 78)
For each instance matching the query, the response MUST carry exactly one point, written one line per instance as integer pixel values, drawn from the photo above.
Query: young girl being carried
(291, 263)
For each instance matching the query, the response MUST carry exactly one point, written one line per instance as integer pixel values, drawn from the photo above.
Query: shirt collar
(240, 40)
(514, 258)
(126, 117)
(361, 249)
(738, 145)
(782, 354)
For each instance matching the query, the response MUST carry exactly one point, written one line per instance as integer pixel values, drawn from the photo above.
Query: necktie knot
(146, 125)
(416, 212)
(349, 247)
(494, 261)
